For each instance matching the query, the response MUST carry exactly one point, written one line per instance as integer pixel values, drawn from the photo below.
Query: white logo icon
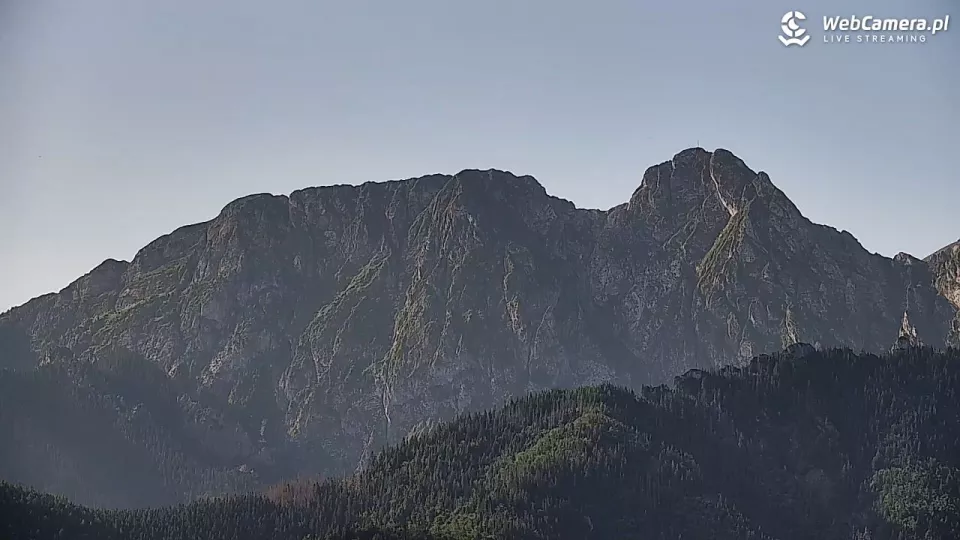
(792, 30)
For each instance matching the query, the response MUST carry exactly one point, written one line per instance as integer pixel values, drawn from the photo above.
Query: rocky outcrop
(945, 264)
(335, 319)
(907, 338)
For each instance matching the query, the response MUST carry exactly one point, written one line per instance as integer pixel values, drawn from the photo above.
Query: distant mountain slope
(797, 445)
(120, 438)
(334, 320)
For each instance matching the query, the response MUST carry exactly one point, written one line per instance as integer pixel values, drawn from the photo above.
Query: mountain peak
(698, 172)
(690, 154)
(704, 191)
(906, 258)
(103, 278)
(494, 174)
(496, 178)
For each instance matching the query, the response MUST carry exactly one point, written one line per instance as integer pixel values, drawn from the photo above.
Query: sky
(121, 120)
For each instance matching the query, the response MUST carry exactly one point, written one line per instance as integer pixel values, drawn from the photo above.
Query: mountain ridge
(322, 325)
(268, 195)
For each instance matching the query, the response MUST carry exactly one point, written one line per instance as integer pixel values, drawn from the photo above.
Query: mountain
(796, 445)
(295, 335)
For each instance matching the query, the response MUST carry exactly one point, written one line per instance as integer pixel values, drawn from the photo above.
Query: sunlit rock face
(945, 265)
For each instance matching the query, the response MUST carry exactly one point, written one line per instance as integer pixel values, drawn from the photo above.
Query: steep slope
(797, 445)
(121, 437)
(338, 319)
(945, 264)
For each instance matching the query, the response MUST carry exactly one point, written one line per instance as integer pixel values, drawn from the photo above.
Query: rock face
(908, 335)
(945, 265)
(339, 318)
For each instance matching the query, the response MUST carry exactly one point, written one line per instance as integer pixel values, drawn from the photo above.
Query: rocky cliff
(319, 325)
(945, 264)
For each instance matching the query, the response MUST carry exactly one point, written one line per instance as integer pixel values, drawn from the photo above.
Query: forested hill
(799, 445)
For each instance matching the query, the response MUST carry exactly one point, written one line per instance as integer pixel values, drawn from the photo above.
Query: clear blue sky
(121, 120)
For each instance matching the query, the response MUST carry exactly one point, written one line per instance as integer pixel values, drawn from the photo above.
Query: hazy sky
(122, 120)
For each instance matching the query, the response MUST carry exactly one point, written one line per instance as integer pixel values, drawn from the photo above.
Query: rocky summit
(296, 334)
